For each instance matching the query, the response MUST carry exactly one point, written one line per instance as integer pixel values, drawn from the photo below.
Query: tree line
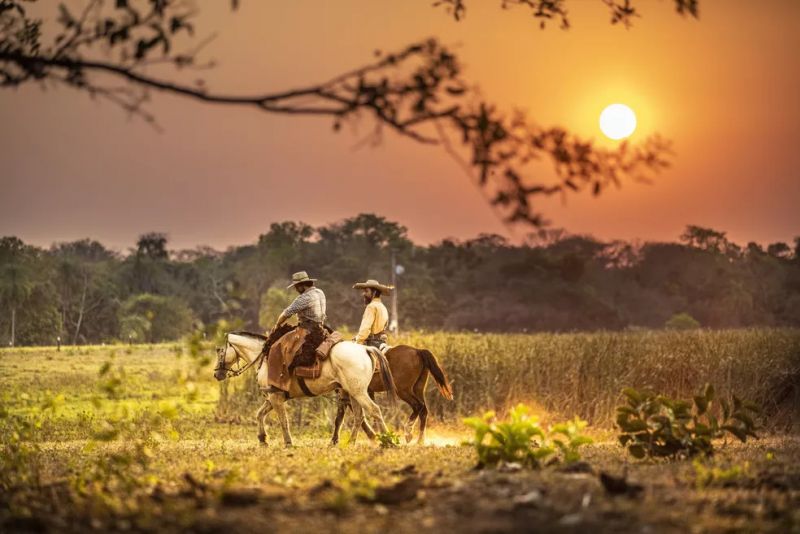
(82, 292)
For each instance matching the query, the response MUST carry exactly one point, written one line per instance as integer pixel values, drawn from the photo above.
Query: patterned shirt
(374, 321)
(309, 306)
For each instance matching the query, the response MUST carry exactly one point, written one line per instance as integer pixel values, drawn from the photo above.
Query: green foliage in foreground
(388, 440)
(657, 426)
(521, 439)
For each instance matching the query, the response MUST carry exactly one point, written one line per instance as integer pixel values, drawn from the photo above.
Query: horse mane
(249, 334)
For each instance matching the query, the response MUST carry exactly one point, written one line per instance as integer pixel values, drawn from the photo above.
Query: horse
(349, 366)
(410, 368)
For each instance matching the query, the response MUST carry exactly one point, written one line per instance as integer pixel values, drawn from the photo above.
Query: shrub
(657, 426)
(521, 439)
(682, 321)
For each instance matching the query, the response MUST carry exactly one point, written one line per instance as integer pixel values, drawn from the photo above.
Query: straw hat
(374, 284)
(299, 278)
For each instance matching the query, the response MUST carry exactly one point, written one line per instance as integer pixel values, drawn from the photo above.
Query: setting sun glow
(617, 121)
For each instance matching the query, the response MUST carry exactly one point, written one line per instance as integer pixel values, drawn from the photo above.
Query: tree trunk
(81, 309)
(13, 323)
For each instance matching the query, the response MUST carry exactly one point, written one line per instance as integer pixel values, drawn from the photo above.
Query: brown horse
(410, 368)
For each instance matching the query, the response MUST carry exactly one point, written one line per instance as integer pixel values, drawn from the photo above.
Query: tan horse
(410, 368)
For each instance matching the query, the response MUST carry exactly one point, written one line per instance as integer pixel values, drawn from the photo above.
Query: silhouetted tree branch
(544, 11)
(418, 92)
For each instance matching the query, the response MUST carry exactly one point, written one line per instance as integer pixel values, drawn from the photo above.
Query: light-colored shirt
(309, 306)
(374, 321)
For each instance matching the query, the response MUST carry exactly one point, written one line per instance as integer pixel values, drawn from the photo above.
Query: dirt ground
(659, 497)
(314, 488)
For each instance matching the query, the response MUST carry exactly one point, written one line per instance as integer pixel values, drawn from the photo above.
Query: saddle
(283, 352)
(321, 352)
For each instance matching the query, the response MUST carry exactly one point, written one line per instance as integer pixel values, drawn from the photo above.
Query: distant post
(58, 343)
(394, 325)
(397, 270)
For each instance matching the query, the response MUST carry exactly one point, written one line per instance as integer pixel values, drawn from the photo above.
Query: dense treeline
(84, 292)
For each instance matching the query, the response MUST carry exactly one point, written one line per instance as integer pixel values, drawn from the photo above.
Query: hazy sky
(725, 89)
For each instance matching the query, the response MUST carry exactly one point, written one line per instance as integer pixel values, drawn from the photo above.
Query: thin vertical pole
(394, 295)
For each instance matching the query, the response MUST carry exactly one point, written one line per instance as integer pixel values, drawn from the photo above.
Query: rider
(310, 307)
(373, 324)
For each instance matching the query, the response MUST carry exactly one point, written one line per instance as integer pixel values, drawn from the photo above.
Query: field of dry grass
(121, 438)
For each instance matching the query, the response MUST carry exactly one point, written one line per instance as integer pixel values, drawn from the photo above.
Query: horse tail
(386, 375)
(432, 364)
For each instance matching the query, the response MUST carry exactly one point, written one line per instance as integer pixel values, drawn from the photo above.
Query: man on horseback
(310, 308)
(373, 323)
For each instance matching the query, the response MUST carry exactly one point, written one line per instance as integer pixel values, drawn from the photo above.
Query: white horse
(349, 366)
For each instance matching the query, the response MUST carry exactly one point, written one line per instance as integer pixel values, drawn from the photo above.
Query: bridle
(231, 371)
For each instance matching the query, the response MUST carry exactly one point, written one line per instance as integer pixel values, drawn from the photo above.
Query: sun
(617, 121)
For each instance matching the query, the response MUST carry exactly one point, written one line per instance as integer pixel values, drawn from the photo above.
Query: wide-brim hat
(374, 284)
(299, 278)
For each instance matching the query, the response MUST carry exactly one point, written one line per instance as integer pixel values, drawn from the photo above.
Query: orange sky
(725, 89)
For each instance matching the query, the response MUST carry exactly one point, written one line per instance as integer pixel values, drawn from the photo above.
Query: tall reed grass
(582, 373)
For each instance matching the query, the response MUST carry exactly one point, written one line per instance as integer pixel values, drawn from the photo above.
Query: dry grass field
(142, 438)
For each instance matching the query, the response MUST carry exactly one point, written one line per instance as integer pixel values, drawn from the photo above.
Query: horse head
(226, 358)
(239, 345)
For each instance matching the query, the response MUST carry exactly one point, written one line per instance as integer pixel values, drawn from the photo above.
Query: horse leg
(358, 417)
(365, 424)
(261, 415)
(367, 429)
(342, 400)
(277, 400)
(409, 399)
(369, 407)
(423, 422)
(419, 394)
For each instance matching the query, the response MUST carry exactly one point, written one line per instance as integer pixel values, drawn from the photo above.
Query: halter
(230, 371)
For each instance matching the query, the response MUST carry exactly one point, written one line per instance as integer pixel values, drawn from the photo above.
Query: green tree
(709, 240)
(86, 291)
(16, 283)
(168, 317)
(147, 268)
(273, 302)
(15, 288)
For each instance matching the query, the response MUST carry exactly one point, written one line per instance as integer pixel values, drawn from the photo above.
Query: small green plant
(352, 485)
(521, 439)
(706, 475)
(568, 439)
(657, 426)
(112, 379)
(388, 440)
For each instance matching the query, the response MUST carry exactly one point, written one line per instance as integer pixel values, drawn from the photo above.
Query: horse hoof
(288, 444)
(262, 438)
(409, 437)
